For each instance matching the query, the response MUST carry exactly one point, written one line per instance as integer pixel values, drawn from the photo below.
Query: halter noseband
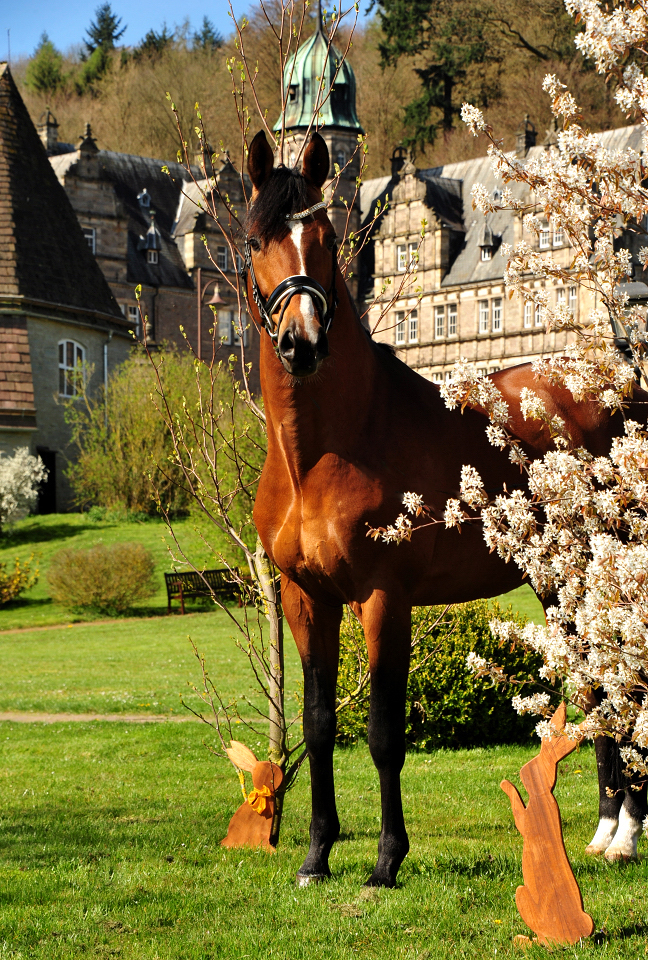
(290, 287)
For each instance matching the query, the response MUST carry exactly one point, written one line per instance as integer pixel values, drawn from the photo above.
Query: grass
(45, 536)
(109, 847)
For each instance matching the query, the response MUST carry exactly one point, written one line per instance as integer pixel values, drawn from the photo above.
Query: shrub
(107, 579)
(446, 705)
(20, 477)
(13, 582)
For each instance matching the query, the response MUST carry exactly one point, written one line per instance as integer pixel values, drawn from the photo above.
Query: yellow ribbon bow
(257, 798)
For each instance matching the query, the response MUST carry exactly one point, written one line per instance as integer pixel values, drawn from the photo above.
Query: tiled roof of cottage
(44, 257)
(16, 386)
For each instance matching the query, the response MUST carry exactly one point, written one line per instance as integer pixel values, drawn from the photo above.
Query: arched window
(71, 358)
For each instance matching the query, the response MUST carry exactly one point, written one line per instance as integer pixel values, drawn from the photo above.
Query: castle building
(61, 328)
(463, 310)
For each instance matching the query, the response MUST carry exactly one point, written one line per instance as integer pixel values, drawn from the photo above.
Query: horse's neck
(322, 414)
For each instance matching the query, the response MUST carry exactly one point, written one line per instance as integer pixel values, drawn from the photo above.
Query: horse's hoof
(306, 879)
(593, 850)
(374, 881)
(616, 856)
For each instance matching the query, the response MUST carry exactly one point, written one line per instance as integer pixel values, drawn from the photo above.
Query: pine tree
(105, 31)
(45, 70)
(208, 36)
(154, 43)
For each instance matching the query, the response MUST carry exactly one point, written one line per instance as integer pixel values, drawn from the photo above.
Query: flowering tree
(579, 526)
(20, 476)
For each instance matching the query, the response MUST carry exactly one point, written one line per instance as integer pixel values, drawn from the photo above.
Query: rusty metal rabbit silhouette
(550, 901)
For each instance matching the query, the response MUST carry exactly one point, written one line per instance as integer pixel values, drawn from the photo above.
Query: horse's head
(291, 259)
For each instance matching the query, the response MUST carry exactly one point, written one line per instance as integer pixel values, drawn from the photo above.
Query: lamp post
(216, 301)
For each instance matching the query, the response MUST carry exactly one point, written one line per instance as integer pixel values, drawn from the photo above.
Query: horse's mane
(285, 192)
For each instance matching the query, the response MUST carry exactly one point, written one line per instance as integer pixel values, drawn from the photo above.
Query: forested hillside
(415, 61)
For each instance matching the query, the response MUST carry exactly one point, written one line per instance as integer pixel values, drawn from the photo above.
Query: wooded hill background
(415, 62)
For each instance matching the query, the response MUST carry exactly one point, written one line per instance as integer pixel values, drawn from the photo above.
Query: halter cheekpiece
(291, 287)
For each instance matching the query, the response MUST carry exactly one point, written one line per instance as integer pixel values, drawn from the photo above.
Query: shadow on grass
(41, 533)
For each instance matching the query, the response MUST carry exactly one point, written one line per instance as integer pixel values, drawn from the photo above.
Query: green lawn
(109, 847)
(45, 536)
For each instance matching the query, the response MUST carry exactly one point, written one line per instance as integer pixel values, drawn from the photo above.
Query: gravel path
(26, 716)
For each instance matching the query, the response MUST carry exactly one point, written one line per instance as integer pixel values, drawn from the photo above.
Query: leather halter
(291, 287)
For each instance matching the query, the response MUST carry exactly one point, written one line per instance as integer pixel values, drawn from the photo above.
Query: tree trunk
(277, 733)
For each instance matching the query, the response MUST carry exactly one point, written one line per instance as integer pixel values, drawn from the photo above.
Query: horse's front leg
(316, 629)
(387, 630)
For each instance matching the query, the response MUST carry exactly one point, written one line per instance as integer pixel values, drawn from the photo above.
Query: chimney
(48, 131)
(525, 138)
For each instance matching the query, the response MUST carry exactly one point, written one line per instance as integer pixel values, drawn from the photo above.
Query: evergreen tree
(105, 31)
(154, 43)
(45, 70)
(208, 36)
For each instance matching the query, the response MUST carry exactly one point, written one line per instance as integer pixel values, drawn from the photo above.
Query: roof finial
(320, 24)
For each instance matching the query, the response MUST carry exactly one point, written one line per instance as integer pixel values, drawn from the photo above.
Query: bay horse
(350, 429)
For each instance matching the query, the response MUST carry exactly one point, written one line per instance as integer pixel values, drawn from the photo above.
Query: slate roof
(129, 175)
(44, 257)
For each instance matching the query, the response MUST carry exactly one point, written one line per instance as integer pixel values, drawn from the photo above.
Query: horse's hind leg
(631, 818)
(388, 636)
(608, 768)
(316, 629)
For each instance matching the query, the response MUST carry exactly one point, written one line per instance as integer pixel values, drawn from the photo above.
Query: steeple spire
(320, 24)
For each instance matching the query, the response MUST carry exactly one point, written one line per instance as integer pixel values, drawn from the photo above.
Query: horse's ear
(260, 160)
(316, 161)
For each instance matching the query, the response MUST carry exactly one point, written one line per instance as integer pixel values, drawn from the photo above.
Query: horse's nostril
(287, 344)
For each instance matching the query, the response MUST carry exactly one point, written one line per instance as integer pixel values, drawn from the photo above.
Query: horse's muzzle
(301, 355)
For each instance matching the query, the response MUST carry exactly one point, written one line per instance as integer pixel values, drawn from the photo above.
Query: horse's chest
(311, 530)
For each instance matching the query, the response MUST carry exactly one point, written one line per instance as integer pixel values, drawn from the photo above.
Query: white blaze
(306, 305)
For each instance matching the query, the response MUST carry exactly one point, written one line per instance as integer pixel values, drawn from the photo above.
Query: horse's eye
(254, 243)
(331, 242)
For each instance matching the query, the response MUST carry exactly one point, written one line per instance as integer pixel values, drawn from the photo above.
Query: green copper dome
(302, 80)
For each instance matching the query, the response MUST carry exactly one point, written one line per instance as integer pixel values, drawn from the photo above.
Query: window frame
(401, 258)
(90, 236)
(67, 382)
(399, 328)
(558, 236)
(225, 327)
(152, 257)
(538, 320)
(134, 317)
(439, 315)
(412, 326)
(573, 300)
(452, 319)
(413, 255)
(486, 254)
(544, 237)
(221, 258)
(528, 314)
(484, 316)
(497, 314)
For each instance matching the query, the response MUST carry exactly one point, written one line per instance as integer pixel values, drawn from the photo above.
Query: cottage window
(401, 257)
(572, 300)
(439, 322)
(558, 236)
(221, 258)
(545, 239)
(452, 319)
(71, 357)
(484, 314)
(528, 313)
(151, 256)
(400, 327)
(90, 237)
(497, 315)
(413, 326)
(538, 315)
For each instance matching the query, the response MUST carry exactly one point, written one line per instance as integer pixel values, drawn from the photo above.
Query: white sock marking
(604, 835)
(624, 845)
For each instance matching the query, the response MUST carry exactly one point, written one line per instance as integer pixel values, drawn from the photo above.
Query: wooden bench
(181, 586)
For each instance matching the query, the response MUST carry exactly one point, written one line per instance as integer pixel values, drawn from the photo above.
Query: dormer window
(151, 256)
(487, 253)
(90, 237)
(485, 242)
(293, 91)
(144, 199)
